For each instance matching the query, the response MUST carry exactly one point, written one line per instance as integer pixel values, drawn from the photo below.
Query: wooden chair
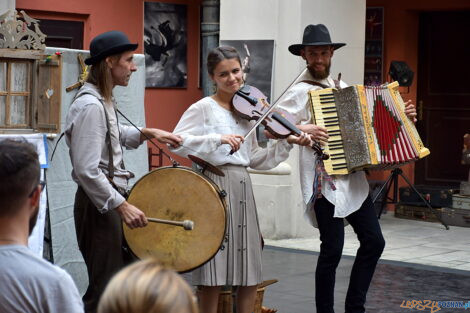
(151, 155)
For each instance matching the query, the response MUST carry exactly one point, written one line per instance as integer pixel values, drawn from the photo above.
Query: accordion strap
(312, 82)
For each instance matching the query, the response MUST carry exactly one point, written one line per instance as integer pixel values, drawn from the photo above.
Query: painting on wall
(373, 62)
(165, 45)
(257, 58)
(257, 62)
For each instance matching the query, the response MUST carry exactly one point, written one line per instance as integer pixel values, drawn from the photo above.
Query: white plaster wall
(278, 197)
(7, 5)
(61, 188)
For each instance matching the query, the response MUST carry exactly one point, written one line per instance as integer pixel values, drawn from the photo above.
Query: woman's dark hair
(219, 54)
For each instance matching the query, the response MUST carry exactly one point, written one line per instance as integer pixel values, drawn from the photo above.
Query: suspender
(107, 140)
(108, 143)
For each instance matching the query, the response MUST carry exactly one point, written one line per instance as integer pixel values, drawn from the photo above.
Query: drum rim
(216, 188)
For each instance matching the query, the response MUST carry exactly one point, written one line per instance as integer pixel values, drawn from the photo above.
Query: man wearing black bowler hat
(337, 198)
(95, 139)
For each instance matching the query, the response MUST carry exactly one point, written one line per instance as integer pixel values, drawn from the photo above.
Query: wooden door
(443, 96)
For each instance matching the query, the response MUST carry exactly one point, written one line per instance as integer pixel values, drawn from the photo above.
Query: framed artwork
(373, 62)
(257, 62)
(165, 45)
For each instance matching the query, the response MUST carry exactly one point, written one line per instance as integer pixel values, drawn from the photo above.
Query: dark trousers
(366, 225)
(101, 242)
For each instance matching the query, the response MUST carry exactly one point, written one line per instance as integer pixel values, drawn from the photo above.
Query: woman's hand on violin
(410, 111)
(317, 133)
(302, 140)
(233, 140)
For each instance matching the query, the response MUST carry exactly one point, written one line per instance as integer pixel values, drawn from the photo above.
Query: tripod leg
(392, 181)
(425, 201)
(382, 188)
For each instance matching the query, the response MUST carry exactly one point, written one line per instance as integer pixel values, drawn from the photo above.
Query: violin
(250, 103)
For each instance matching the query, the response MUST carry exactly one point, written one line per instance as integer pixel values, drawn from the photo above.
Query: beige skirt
(238, 261)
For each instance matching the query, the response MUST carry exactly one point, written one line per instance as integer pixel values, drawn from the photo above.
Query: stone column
(209, 39)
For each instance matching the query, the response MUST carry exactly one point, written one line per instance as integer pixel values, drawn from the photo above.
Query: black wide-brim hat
(315, 35)
(109, 43)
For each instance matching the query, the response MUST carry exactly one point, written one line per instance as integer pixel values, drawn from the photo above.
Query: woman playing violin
(210, 130)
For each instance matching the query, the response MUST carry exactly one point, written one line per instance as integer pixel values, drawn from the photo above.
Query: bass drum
(178, 193)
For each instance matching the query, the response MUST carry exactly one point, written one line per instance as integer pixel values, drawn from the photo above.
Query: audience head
(19, 179)
(146, 286)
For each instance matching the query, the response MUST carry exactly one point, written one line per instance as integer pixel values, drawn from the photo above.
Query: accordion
(367, 128)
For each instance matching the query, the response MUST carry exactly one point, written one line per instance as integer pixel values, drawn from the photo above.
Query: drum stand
(393, 180)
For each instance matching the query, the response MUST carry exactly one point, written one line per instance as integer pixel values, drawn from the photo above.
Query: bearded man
(347, 197)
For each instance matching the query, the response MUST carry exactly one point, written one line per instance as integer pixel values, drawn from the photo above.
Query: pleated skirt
(238, 261)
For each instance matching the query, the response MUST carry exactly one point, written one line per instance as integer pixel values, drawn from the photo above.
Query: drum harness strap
(124, 192)
(108, 138)
(319, 168)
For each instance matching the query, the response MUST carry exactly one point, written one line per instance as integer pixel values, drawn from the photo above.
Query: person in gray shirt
(96, 140)
(28, 283)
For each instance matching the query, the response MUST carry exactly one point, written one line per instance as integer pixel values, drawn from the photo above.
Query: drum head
(177, 193)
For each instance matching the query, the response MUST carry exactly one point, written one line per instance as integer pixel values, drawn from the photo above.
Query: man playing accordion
(333, 198)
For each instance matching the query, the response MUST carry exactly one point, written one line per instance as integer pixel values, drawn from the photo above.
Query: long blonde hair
(100, 76)
(145, 286)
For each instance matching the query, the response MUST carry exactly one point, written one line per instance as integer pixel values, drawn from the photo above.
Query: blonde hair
(100, 76)
(146, 286)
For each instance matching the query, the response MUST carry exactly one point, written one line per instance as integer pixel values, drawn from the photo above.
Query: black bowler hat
(315, 35)
(109, 43)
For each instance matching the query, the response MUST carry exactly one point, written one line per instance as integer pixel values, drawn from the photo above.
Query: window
(15, 93)
(30, 88)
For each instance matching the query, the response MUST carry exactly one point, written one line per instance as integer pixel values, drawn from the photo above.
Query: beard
(319, 75)
(32, 220)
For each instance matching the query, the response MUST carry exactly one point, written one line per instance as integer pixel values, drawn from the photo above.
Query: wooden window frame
(42, 111)
(9, 93)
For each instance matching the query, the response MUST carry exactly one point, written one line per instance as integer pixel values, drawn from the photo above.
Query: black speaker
(400, 72)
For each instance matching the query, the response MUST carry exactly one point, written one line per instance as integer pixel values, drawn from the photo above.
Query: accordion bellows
(368, 128)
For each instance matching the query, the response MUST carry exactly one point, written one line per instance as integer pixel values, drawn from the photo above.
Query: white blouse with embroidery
(202, 126)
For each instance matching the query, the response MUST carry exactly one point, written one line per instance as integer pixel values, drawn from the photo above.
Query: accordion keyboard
(325, 115)
(367, 128)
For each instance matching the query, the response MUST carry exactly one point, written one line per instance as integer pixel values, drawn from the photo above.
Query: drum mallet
(186, 224)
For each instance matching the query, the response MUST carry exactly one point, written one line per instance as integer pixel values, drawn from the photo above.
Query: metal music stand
(393, 180)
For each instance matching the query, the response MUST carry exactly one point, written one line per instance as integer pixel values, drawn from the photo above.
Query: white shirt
(201, 127)
(351, 190)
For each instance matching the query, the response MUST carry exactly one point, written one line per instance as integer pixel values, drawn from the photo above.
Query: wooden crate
(461, 202)
(456, 217)
(413, 212)
(226, 298)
